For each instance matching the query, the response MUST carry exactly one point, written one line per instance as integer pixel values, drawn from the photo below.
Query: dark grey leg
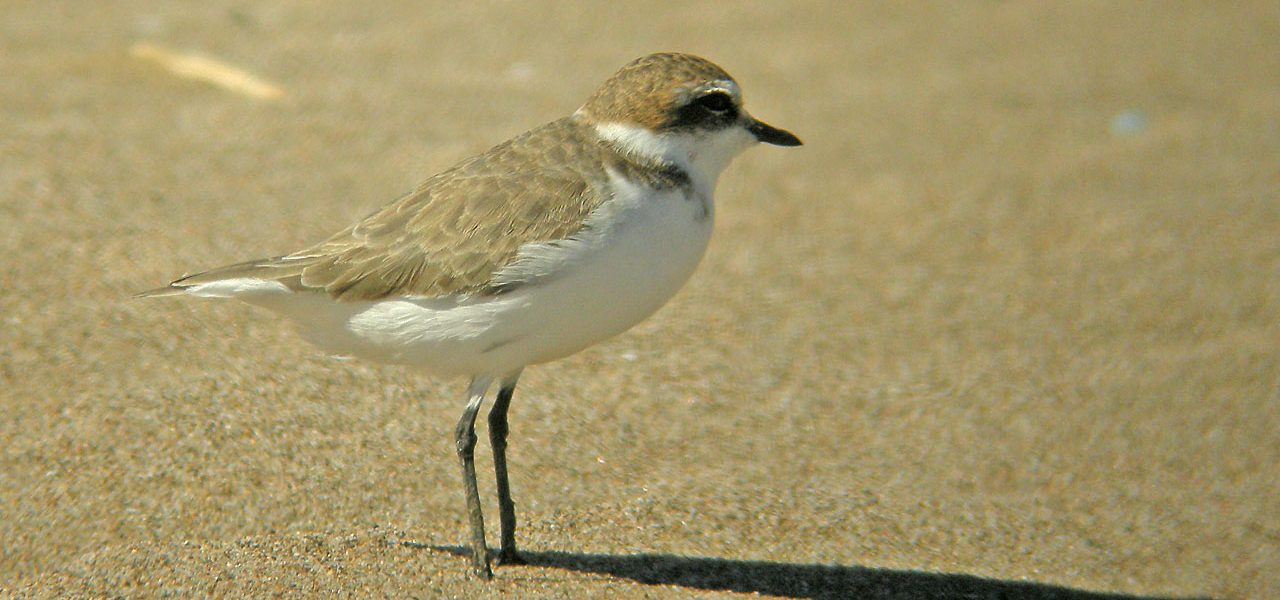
(498, 439)
(465, 438)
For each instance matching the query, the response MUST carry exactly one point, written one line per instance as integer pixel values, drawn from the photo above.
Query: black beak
(772, 135)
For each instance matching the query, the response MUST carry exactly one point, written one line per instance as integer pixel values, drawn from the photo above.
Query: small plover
(541, 246)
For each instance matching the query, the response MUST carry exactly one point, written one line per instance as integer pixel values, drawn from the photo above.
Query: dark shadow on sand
(798, 580)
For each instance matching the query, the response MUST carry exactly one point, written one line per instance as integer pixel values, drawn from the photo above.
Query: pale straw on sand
(209, 70)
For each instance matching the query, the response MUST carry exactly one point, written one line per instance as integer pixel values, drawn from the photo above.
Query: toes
(509, 558)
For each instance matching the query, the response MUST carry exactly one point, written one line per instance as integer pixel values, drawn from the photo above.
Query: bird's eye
(716, 102)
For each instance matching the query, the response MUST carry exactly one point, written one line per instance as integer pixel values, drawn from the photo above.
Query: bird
(543, 245)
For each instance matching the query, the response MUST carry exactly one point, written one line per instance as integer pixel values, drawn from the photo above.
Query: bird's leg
(465, 438)
(498, 439)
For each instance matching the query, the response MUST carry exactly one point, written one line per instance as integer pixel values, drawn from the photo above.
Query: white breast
(635, 253)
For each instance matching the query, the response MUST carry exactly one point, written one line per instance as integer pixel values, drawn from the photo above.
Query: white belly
(642, 248)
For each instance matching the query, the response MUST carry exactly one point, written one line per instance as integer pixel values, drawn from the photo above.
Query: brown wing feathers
(455, 231)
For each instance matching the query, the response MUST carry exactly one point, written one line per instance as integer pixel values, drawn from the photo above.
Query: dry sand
(1007, 325)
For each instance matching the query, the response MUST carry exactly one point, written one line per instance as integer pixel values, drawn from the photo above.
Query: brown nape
(642, 92)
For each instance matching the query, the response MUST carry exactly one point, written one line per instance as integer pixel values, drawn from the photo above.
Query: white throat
(703, 156)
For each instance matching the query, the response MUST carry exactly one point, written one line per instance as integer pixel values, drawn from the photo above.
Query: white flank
(637, 251)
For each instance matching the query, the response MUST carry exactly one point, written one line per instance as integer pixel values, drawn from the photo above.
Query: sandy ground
(1006, 326)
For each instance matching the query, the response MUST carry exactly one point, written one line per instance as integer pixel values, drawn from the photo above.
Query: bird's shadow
(798, 580)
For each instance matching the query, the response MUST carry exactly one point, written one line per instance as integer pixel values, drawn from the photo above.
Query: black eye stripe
(714, 109)
(717, 102)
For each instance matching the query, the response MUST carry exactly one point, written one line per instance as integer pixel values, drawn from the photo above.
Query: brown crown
(646, 91)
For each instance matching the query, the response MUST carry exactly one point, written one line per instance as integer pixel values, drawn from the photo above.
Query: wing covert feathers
(457, 229)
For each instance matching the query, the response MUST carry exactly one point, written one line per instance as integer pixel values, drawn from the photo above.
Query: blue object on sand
(1129, 122)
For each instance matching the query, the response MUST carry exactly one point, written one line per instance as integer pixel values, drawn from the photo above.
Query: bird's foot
(480, 567)
(509, 556)
(483, 573)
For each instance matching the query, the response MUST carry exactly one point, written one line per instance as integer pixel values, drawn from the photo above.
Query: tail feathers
(265, 276)
(168, 290)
